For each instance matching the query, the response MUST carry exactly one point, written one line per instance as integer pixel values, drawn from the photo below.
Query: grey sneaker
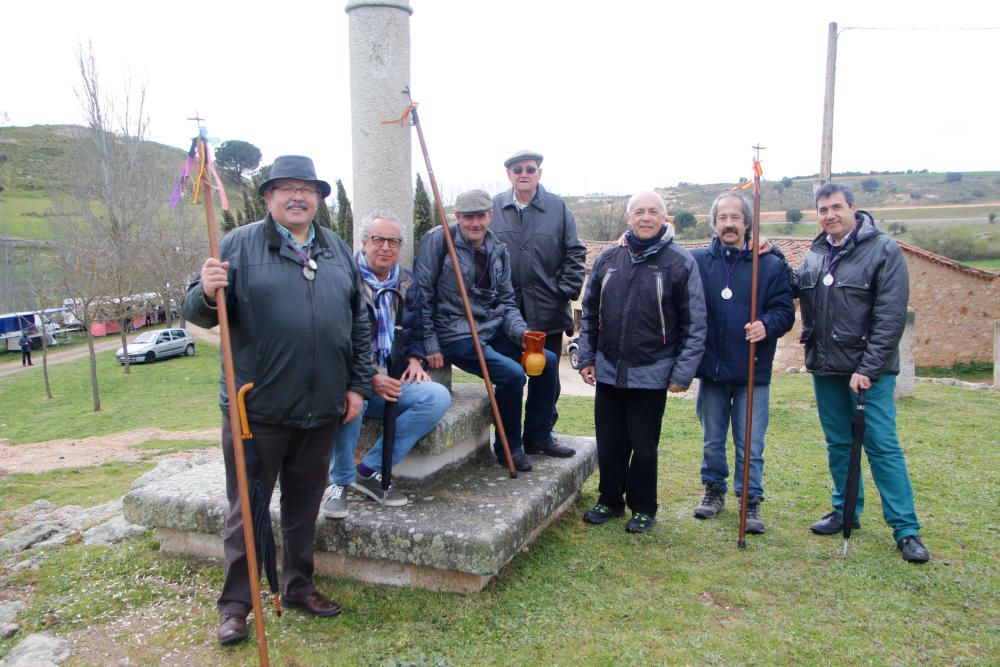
(712, 503)
(372, 487)
(334, 502)
(755, 525)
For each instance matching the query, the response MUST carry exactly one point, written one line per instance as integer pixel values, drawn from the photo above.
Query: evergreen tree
(345, 219)
(323, 218)
(423, 219)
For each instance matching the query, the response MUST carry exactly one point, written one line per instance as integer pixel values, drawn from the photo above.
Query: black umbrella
(854, 467)
(395, 366)
(259, 508)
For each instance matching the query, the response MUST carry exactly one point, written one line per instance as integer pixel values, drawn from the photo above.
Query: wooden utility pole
(826, 152)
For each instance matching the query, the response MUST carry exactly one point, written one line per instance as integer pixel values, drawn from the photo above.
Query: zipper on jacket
(659, 307)
(604, 283)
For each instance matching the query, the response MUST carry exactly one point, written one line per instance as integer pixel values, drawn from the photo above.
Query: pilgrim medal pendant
(727, 293)
(828, 279)
(312, 264)
(309, 272)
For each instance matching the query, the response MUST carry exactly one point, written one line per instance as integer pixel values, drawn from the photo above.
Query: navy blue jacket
(726, 347)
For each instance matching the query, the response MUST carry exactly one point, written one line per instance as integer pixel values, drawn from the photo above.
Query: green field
(579, 595)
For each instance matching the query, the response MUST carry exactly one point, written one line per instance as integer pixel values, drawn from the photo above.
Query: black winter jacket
(855, 324)
(547, 258)
(644, 317)
(302, 343)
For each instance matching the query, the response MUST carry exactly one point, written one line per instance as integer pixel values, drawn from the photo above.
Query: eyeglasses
(296, 189)
(382, 240)
(518, 169)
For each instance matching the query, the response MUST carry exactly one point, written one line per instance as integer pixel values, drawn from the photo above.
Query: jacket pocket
(659, 307)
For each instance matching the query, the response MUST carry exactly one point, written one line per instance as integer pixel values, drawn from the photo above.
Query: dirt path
(79, 452)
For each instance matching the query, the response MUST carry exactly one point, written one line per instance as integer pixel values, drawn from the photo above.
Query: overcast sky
(619, 96)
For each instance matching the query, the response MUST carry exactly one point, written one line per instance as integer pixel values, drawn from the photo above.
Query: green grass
(976, 371)
(988, 264)
(156, 447)
(584, 595)
(174, 394)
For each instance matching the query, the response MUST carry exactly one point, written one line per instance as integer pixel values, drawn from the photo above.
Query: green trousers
(836, 404)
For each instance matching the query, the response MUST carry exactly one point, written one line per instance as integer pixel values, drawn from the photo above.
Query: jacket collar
(865, 231)
(538, 201)
(274, 238)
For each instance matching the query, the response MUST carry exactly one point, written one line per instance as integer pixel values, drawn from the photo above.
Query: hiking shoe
(334, 504)
(372, 487)
(640, 523)
(913, 550)
(601, 513)
(712, 503)
(831, 524)
(755, 525)
(550, 448)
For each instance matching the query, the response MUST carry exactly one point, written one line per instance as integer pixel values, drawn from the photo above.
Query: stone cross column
(907, 367)
(380, 70)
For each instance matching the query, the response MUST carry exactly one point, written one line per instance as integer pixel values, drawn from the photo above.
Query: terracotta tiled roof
(795, 249)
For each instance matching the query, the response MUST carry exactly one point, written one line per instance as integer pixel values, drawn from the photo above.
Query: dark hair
(828, 189)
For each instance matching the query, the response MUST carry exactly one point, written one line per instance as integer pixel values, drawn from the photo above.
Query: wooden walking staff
(748, 433)
(411, 111)
(234, 417)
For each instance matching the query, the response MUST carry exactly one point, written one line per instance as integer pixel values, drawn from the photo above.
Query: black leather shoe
(550, 448)
(232, 629)
(316, 604)
(521, 462)
(831, 524)
(913, 550)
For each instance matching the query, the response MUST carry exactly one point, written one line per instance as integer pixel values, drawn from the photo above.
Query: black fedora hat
(298, 167)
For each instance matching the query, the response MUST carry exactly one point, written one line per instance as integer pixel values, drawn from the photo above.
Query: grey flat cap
(523, 154)
(298, 167)
(473, 201)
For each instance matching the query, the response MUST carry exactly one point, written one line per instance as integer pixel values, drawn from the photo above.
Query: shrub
(869, 185)
(959, 244)
(786, 182)
(793, 215)
(685, 220)
(915, 195)
(992, 217)
(952, 177)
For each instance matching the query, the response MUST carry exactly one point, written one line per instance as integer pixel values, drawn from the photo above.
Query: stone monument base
(455, 534)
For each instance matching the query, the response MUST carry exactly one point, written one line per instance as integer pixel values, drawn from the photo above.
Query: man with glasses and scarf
(300, 334)
(726, 275)
(485, 265)
(546, 263)
(421, 402)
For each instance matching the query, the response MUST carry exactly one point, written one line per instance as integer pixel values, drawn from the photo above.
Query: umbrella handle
(241, 406)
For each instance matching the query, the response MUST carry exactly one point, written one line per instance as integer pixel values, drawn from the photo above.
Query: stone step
(463, 433)
(455, 534)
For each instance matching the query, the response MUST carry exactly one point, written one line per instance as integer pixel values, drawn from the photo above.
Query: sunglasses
(517, 170)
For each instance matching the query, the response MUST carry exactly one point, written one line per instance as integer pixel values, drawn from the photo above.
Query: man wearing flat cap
(300, 333)
(485, 264)
(547, 263)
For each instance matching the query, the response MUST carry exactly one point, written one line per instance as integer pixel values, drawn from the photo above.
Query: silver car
(160, 344)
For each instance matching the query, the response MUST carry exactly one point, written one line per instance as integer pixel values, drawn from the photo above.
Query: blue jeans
(721, 404)
(421, 406)
(503, 361)
(836, 404)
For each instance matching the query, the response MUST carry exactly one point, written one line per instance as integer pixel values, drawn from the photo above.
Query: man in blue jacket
(726, 274)
(421, 402)
(853, 286)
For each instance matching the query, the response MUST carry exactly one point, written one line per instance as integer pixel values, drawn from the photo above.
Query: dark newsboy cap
(298, 167)
(524, 154)
(473, 201)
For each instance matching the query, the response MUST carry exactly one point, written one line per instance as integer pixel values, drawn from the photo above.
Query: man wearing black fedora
(300, 333)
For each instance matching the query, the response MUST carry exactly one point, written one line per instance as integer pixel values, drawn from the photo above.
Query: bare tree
(176, 247)
(42, 282)
(604, 222)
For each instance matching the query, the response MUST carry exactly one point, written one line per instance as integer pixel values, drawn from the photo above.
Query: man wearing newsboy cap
(300, 333)
(485, 265)
(546, 263)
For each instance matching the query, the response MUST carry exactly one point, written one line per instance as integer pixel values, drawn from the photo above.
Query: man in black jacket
(853, 286)
(300, 333)
(546, 258)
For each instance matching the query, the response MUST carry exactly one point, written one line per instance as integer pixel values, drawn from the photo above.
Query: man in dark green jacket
(853, 286)
(300, 332)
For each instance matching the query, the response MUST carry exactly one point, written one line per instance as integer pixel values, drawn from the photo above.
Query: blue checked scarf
(385, 321)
